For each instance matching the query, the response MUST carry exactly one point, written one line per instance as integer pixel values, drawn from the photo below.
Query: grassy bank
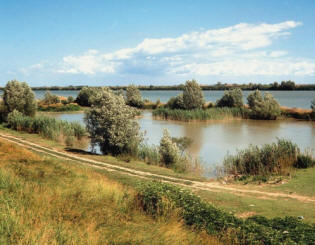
(72, 204)
(199, 114)
(46, 201)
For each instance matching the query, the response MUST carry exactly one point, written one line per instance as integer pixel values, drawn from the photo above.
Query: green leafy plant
(231, 98)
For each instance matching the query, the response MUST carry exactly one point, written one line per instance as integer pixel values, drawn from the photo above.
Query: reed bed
(200, 114)
(47, 127)
(270, 159)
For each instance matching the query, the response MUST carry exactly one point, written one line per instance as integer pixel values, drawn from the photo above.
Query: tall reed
(200, 114)
(276, 158)
(47, 127)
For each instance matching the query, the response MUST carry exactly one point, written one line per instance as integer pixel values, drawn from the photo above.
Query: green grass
(199, 114)
(246, 205)
(49, 201)
(301, 182)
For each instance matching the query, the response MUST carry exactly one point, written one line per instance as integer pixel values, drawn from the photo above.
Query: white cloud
(239, 50)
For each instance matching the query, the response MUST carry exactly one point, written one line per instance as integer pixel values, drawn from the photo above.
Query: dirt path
(207, 186)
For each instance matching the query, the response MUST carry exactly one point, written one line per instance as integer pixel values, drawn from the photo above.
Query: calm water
(212, 141)
(301, 99)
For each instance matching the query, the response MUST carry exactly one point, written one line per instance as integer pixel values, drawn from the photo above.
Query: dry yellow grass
(45, 201)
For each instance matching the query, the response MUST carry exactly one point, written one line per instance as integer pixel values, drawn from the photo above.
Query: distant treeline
(284, 85)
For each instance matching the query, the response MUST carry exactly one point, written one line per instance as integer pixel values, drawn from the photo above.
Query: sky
(119, 42)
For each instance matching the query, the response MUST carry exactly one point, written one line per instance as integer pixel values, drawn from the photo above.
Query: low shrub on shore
(159, 199)
(47, 127)
(59, 107)
(270, 159)
(200, 114)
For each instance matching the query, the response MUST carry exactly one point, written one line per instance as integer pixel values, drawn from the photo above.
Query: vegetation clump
(176, 102)
(231, 98)
(263, 107)
(133, 97)
(270, 159)
(169, 151)
(304, 161)
(54, 103)
(47, 127)
(192, 95)
(85, 95)
(111, 125)
(160, 199)
(18, 96)
(200, 114)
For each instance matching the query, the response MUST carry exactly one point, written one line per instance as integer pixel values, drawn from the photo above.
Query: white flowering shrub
(169, 151)
(111, 124)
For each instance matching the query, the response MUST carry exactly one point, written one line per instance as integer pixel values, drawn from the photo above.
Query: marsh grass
(45, 201)
(200, 114)
(270, 159)
(47, 127)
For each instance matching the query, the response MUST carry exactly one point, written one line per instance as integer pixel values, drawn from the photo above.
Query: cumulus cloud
(239, 50)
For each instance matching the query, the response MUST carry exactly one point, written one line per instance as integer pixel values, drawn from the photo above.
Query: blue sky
(156, 42)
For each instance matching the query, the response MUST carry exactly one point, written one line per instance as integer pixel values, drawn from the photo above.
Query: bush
(60, 108)
(275, 158)
(50, 99)
(47, 127)
(111, 124)
(160, 199)
(18, 96)
(231, 98)
(264, 108)
(70, 99)
(192, 95)
(176, 102)
(133, 97)
(169, 151)
(304, 161)
(85, 95)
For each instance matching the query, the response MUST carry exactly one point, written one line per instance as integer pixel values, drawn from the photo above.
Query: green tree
(170, 153)
(231, 98)
(176, 102)
(192, 95)
(133, 96)
(18, 96)
(111, 124)
(263, 107)
(85, 95)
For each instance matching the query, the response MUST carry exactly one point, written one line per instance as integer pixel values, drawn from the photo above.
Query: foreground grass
(46, 201)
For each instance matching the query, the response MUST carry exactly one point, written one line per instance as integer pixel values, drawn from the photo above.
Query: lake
(301, 99)
(213, 140)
